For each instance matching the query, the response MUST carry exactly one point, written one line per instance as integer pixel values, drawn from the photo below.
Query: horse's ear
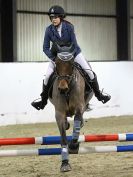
(64, 47)
(56, 60)
(72, 48)
(58, 46)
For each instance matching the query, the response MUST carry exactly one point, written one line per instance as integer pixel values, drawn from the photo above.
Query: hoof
(65, 166)
(67, 124)
(73, 147)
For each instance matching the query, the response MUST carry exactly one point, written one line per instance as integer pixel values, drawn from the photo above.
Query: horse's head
(64, 68)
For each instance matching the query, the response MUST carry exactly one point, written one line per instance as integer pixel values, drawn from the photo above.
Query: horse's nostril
(63, 90)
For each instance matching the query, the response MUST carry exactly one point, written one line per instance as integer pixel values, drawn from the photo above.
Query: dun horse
(69, 99)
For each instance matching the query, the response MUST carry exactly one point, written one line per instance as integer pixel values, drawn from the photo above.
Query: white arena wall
(21, 83)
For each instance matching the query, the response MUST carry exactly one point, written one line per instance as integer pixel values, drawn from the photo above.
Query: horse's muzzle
(63, 86)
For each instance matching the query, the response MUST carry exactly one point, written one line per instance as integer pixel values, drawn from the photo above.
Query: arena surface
(88, 165)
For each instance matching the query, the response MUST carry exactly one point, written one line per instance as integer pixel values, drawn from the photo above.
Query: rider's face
(55, 20)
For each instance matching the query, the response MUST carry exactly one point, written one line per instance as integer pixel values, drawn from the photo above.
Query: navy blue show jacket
(52, 36)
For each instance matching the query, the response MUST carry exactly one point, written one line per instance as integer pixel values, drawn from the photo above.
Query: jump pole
(57, 151)
(49, 140)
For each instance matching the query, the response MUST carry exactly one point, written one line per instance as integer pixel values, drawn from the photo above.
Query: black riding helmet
(56, 11)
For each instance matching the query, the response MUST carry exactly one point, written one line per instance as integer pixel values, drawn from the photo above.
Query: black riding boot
(44, 97)
(100, 96)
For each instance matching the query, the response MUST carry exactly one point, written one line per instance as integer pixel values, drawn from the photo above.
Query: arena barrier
(57, 151)
(49, 140)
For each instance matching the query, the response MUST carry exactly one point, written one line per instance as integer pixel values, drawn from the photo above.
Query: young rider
(62, 31)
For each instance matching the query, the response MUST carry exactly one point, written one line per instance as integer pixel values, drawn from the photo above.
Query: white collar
(59, 28)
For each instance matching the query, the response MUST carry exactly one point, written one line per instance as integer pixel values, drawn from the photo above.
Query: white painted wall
(21, 83)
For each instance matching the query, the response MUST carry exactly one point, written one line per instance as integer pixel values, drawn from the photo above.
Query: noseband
(68, 78)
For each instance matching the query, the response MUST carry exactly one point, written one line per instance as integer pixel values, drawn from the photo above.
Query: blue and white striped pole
(57, 151)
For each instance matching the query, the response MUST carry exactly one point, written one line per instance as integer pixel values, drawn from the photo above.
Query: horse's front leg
(78, 121)
(61, 122)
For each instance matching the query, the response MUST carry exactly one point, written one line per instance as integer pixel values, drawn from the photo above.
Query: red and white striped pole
(48, 140)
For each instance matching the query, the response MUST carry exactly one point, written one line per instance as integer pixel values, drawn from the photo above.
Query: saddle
(85, 76)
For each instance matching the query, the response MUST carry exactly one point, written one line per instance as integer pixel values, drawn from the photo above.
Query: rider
(62, 31)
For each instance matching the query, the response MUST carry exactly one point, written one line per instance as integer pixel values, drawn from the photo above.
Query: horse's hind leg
(61, 122)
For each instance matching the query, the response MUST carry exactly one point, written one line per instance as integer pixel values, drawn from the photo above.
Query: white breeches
(49, 71)
(79, 59)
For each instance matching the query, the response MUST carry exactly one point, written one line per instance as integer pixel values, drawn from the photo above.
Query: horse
(69, 99)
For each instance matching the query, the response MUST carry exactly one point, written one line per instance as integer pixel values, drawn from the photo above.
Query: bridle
(68, 78)
(65, 57)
